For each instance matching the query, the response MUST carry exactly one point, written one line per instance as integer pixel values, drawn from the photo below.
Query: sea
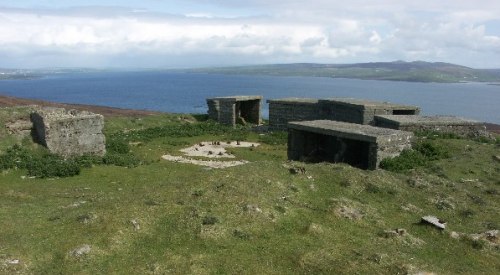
(178, 92)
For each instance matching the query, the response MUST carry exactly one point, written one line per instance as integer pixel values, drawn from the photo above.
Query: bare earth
(8, 101)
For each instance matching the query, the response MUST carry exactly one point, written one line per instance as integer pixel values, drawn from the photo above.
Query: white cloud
(280, 31)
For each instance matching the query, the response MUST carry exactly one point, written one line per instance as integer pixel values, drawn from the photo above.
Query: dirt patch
(9, 101)
(215, 150)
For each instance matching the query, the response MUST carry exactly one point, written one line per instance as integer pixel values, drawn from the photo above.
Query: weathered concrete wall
(361, 111)
(442, 124)
(235, 109)
(362, 146)
(282, 111)
(69, 133)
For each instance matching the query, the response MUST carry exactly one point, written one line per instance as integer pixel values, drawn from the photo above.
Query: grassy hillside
(164, 217)
(417, 71)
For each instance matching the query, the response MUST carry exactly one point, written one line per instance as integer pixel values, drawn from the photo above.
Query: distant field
(161, 217)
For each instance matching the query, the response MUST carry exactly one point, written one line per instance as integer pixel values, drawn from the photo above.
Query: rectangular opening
(403, 112)
(324, 148)
(248, 111)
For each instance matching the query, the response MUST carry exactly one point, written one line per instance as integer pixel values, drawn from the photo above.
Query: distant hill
(416, 71)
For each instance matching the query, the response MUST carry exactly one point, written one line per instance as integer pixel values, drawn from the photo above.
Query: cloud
(278, 31)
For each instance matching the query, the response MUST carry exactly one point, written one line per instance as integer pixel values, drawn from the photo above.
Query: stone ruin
(361, 146)
(232, 110)
(441, 124)
(69, 132)
(282, 111)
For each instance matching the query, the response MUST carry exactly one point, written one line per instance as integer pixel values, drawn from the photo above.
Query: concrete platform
(362, 146)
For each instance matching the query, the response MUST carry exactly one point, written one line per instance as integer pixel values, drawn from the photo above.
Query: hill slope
(417, 71)
(166, 217)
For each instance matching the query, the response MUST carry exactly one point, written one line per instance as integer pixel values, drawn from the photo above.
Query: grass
(256, 218)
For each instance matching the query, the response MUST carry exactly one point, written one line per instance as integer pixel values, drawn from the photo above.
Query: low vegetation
(130, 212)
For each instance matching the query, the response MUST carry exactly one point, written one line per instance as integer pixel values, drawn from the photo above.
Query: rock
(497, 157)
(454, 235)
(80, 251)
(395, 233)
(434, 221)
(12, 261)
(491, 235)
(349, 213)
(315, 229)
(135, 224)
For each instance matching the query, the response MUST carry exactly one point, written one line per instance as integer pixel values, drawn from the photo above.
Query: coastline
(10, 101)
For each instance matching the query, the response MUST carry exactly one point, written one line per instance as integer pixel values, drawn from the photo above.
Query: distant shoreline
(10, 101)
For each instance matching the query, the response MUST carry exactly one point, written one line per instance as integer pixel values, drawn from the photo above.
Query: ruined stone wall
(283, 111)
(228, 110)
(213, 109)
(69, 133)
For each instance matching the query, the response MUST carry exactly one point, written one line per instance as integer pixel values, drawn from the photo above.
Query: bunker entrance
(404, 112)
(248, 111)
(326, 148)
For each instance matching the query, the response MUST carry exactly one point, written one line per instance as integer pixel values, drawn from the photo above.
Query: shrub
(49, 166)
(125, 160)
(408, 159)
(117, 145)
(421, 154)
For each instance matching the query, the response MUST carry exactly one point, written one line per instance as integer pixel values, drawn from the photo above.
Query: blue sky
(196, 33)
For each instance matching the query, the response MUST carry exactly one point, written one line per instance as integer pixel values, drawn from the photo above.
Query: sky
(201, 33)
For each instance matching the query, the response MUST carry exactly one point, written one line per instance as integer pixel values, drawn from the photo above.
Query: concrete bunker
(282, 111)
(441, 124)
(361, 146)
(361, 111)
(69, 132)
(231, 110)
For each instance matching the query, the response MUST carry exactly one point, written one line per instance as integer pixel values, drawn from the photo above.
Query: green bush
(49, 166)
(421, 154)
(117, 145)
(125, 160)
(431, 151)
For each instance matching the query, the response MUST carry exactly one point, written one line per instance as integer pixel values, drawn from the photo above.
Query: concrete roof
(426, 120)
(294, 100)
(369, 103)
(346, 130)
(237, 98)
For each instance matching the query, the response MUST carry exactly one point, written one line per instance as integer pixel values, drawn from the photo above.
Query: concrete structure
(361, 111)
(442, 124)
(69, 133)
(235, 109)
(362, 146)
(282, 111)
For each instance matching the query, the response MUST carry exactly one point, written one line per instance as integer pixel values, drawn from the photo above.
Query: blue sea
(186, 92)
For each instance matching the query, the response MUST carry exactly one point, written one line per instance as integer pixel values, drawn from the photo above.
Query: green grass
(256, 218)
